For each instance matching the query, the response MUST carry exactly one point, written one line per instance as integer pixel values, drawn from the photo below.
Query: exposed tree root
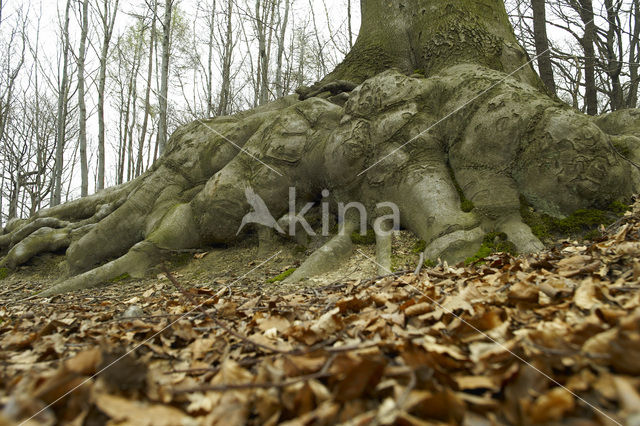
(421, 144)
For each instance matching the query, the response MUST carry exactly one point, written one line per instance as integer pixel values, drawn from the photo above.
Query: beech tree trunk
(435, 112)
(543, 52)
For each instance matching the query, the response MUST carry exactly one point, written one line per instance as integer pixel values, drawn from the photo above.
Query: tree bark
(147, 94)
(108, 18)
(82, 118)
(227, 58)
(164, 78)
(283, 30)
(588, 38)
(429, 35)
(543, 52)
(63, 92)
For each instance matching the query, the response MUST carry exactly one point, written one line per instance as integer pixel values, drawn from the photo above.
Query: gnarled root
(327, 257)
(136, 263)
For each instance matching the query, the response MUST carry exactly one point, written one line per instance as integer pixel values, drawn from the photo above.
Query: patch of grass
(282, 276)
(4, 273)
(493, 242)
(120, 278)
(364, 240)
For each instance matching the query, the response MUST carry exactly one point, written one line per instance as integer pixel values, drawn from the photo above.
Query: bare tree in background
(82, 118)
(63, 95)
(543, 50)
(227, 58)
(164, 77)
(107, 15)
(282, 23)
(152, 5)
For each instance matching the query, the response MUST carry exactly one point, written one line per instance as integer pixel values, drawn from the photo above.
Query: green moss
(419, 246)
(619, 208)
(4, 273)
(466, 205)
(364, 240)
(594, 234)
(581, 223)
(493, 242)
(282, 276)
(120, 278)
(429, 263)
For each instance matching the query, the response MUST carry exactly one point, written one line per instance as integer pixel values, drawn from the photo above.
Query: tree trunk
(469, 146)
(634, 56)
(147, 94)
(62, 116)
(107, 17)
(164, 78)
(227, 57)
(431, 35)
(543, 52)
(588, 38)
(82, 118)
(283, 30)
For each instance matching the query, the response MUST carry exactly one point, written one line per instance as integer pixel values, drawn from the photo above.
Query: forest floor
(546, 338)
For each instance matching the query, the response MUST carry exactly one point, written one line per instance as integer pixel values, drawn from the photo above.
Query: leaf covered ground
(547, 338)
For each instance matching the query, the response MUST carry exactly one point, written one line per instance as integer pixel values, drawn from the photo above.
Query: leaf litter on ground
(539, 339)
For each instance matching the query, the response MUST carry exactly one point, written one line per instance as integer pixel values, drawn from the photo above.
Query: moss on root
(466, 205)
(583, 223)
(364, 240)
(119, 278)
(493, 242)
(282, 276)
(4, 273)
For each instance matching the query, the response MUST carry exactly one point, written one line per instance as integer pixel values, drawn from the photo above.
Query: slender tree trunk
(614, 64)
(543, 52)
(587, 41)
(634, 57)
(82, 108)
(108, 18)
(209, 75)
(281, 38)
(61, 124)
(164, 78)
(349, 24)
(227, 57)
(147, 95)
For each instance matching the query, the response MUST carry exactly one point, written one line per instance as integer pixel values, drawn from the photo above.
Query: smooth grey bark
(227, 58)
(164, 76)
(107, 15)
(209, 73)
(147, 93)
(61, 124)
(282, 21)
(82, 107)
(543, 52)
(634, 56)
